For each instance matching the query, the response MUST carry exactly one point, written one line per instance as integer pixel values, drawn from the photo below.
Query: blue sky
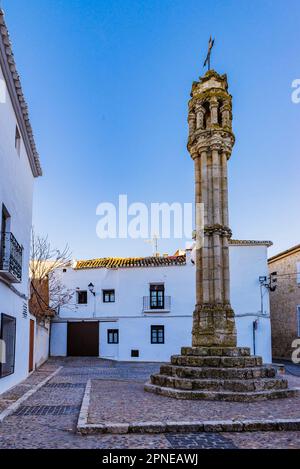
(108, 81)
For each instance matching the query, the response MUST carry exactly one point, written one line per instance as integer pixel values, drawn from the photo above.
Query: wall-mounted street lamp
(269, 282)
(91, 288)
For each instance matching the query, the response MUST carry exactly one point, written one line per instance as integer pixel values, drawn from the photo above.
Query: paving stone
(60, 431)
(126, 401)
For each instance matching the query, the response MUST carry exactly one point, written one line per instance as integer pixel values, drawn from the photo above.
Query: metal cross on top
(210, 46)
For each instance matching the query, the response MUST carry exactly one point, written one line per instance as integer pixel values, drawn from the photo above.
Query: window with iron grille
(82, 297)
(108, 296)
(157, 334)
(157, 296)
(7, 344)
(113, 336)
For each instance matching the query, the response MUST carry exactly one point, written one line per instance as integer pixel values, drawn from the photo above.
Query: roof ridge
(285, 253)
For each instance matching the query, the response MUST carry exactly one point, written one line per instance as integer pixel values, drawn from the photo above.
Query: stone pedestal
(214, 367)
(218, 373)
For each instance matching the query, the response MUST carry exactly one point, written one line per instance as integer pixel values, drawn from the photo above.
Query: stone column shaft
(213, 322)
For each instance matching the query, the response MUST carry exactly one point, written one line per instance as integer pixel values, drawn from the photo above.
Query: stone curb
(15, 405)
(84, 409)
(213, 426)
(85, 428)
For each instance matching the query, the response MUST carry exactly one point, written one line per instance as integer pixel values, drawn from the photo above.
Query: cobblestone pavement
(120, 406)
(290, 367)
(54, 425)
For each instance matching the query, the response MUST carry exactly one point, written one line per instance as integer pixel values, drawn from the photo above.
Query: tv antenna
(154, 242)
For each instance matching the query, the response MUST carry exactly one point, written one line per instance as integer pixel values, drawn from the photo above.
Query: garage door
(83, 339)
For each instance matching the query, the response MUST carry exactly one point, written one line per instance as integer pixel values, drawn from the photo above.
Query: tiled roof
(249, 242)
(288, 252)
(118, 262)
(165, 261)
(13, 83)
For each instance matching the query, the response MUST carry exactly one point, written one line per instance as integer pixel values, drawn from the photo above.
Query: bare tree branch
(48, 293)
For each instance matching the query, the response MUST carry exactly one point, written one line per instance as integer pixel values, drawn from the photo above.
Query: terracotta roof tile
(128, 262)
(14, 86)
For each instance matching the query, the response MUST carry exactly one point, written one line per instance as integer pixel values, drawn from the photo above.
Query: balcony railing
(11, 254)
(155, 306)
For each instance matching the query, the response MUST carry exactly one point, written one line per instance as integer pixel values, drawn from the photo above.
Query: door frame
(31, 345)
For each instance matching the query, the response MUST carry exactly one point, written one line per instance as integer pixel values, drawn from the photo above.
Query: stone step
(221, 396)
(218, 373)
(252, 385)
(223, 362)
(216, 351)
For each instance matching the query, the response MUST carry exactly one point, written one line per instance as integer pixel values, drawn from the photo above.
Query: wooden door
(31, 345)
(83, 339)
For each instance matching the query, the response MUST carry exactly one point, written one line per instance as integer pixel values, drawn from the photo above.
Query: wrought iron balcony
(162, 305)
(11, 254)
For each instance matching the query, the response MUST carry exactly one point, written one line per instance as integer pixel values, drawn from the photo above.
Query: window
(135, 353)
(298, 320)
(108, 296)
(7, 345)
(113, 336)
(18, 140)
(157, 334)
(157, 296)
(82, 297)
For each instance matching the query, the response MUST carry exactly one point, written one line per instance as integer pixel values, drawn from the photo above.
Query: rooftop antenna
(154, 242)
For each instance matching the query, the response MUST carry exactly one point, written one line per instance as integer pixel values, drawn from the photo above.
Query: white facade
(41, 345)
(248, 261)
(18, 167)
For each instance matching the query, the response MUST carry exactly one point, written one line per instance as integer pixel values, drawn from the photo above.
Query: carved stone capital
(221, 230)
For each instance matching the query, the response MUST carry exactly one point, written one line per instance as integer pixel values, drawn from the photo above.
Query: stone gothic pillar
(214, 367)
(210, 148)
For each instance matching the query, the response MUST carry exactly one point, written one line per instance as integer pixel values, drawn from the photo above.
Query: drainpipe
(254, 327)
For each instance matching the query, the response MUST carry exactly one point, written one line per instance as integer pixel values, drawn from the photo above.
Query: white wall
(130, 285)
(16, 189)
(58, 344)
(247, 263)
(41, 343)
(135, 334)
(107, 350)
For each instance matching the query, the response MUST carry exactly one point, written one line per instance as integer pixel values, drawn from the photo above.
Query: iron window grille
(148, 308)
(157, 334)
(11, 256)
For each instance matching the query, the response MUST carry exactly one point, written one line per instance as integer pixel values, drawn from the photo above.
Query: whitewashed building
(141, 308)
(19, 165)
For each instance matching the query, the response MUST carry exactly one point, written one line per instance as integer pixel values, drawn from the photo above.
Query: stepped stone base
(218, 373)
